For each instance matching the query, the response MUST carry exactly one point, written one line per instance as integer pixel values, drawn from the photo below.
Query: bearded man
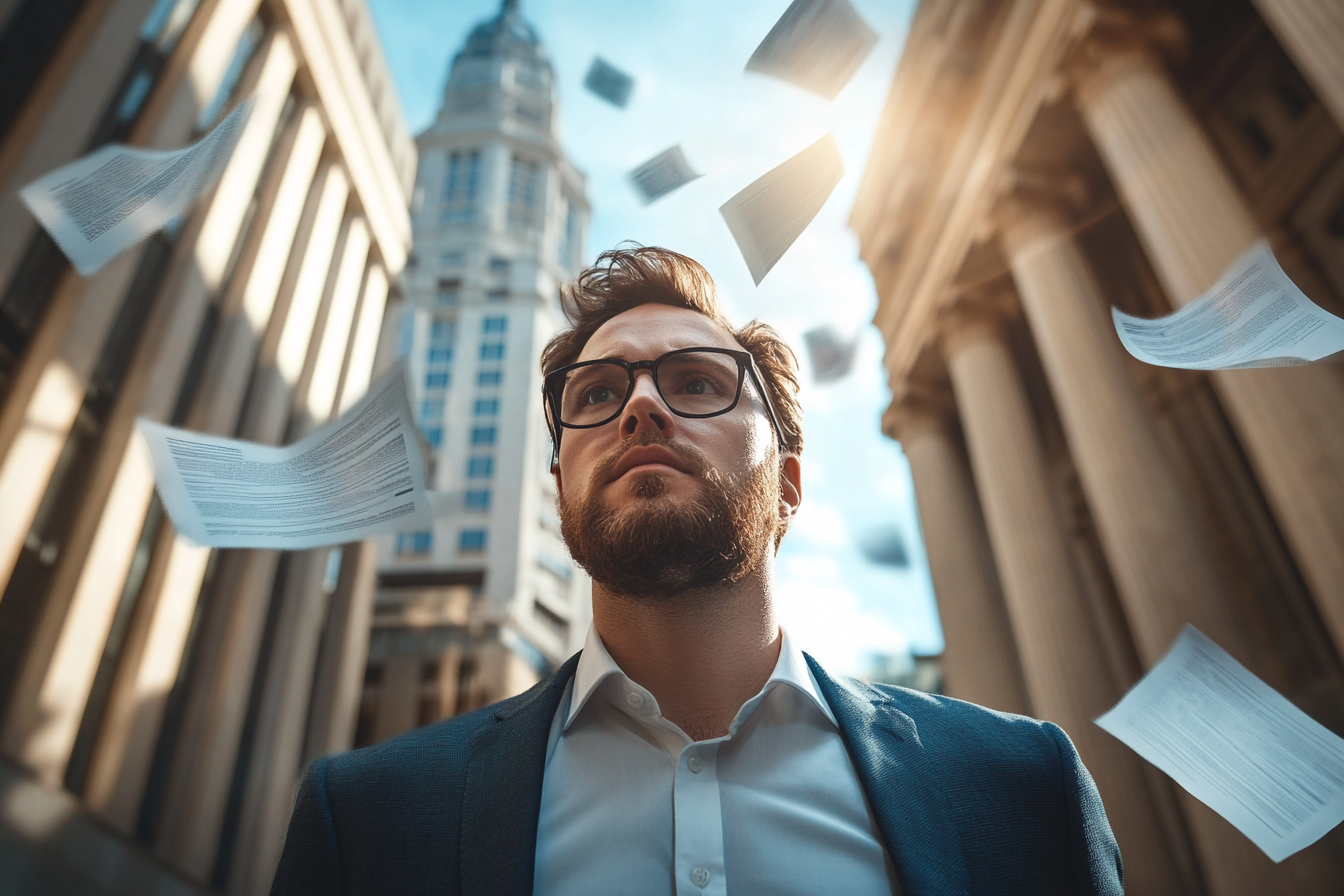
(691, 748)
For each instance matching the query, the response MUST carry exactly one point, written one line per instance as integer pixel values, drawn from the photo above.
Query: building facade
(1037, 161)
(478, 607)
(158, 700)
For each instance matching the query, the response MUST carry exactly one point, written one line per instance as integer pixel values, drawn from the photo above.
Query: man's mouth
(647, 458)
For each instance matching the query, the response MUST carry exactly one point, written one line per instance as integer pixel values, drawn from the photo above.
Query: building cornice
(331, 61)
(1021, 54)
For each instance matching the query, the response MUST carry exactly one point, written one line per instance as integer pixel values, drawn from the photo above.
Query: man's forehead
(649, 330)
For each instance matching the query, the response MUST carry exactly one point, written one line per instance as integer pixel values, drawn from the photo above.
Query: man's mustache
(696, 462)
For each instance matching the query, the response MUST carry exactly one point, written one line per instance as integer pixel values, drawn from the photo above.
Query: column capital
(974, 315)
(1034, 204)
(917, 409)
(1113, 42)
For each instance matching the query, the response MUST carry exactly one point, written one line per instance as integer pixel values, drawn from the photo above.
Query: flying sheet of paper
(358, 476)
(774, 209)
(101, 205)
(816, 44)
(1236, 744)
(609, 82)
(832, 356)
(1254, 316)
(662, 174)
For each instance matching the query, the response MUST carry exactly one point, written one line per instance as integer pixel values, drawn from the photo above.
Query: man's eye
(698, 385)
(597, 395)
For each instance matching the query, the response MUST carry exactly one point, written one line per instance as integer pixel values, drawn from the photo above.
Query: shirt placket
(698, 823)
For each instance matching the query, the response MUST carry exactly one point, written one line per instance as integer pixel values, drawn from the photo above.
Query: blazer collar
(501, 799)
(902, 787)
(502, 795)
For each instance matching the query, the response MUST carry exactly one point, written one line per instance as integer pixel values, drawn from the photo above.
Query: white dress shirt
(631, 805)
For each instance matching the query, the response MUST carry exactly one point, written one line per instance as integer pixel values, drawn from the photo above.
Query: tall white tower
(499, 222)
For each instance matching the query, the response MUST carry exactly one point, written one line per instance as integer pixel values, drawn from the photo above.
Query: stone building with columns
(1038, 161)
(158, 700)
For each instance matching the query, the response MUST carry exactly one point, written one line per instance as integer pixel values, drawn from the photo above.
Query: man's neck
(701, 654)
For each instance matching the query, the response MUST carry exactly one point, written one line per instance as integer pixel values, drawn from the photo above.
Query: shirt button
(700, 876)
(635, 699)
(695, 763)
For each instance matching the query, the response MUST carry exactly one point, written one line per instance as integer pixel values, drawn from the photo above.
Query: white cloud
(823, 617)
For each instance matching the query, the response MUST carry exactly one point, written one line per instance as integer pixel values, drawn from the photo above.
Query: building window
(495, 324)
(431, 410)
(434, 435)
(368, 717)
(492, 351)
(471, 540)
(524, 193)
(478, 499)
(460, 186)
(556, 567)
(427, 713)
(429, 671)
(483, 435)
(489, 378)
(373, 675)
(528, 112)
(449, 293)
(497, 295)
(414, 542)
(487, 407)
(436, 379)
(550, 619)
(568, 234)
(499, 267)
(441, 333)
(480, 467)
(440, 355)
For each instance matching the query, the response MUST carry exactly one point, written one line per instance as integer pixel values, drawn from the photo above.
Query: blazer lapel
(502, 795)
(903, 790)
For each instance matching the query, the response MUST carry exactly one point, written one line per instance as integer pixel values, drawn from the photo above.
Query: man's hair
(626, 278)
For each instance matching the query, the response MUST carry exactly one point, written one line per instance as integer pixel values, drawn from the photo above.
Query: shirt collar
(596, 665)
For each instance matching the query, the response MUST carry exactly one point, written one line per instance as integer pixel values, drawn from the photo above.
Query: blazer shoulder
(966, 735)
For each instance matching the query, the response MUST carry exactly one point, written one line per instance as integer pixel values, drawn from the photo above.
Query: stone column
(1193, 222)
(1312, 31)
(207, 749)
(1162, 562)
(154, 645)
(1067, 677)
(345, 645)
(277, 747)
(980, 661)
(345, 639)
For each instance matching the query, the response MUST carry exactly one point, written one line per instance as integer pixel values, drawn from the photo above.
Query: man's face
(653, 503)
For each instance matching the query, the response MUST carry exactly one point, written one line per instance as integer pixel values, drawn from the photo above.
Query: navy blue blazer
(967, 800)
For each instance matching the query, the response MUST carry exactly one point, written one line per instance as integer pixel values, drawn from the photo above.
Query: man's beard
(657, 548)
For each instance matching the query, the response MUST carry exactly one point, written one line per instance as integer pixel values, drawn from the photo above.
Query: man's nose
(646, 410)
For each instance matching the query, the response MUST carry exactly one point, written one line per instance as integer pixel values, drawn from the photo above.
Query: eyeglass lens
(693, 383)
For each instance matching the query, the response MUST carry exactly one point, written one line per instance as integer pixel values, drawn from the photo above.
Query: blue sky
(687, 58)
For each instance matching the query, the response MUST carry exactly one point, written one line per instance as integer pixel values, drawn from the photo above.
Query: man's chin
(650, 485)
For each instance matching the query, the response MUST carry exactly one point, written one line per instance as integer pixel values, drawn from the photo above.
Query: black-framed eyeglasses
(693, 382)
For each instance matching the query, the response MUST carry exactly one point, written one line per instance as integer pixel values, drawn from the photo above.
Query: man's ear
(790, 486)
(559, 486)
